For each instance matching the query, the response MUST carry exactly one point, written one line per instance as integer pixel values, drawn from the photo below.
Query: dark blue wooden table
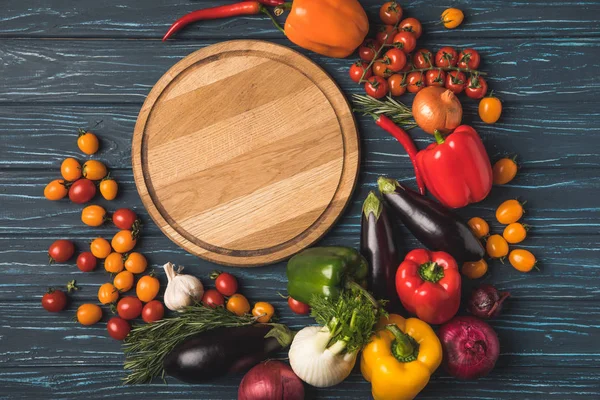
(90, 63)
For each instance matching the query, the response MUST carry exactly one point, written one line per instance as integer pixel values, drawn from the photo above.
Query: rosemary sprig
(396, 111)
(147, 345)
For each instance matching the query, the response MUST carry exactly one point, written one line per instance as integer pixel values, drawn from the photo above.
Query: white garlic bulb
(182, 290)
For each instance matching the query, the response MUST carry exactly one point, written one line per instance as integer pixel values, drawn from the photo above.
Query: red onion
(471, 347)
(271, 380)
(486, 301)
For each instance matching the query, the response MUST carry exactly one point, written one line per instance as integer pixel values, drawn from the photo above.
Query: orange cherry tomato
(263, 310)
(397, 85)
(108, 293)
(490, 109)
(474, 270)
(504, 171)
(70, 169)
(114, 263)
(452, 18)
(100, 248)
(55, 190)
(135, 263)
(238, 304)
(89, 314)
(109, 188)
(496, 246)
(87, 142)
(123, 281)
(123, 241)
(522, 260)
(147, 288)
(510, 211)
(479, 227)
(94, 170)
(515, 232)
(93, 215)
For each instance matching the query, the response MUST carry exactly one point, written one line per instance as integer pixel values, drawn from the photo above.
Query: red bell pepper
(428, 284)
(456, 170)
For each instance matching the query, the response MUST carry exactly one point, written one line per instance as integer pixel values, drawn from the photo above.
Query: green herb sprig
(395, 110)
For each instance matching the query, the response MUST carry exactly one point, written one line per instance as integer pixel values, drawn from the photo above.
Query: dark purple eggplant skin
(435, 226)
(220, 351)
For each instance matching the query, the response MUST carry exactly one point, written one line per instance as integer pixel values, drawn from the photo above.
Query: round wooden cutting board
(245, 152)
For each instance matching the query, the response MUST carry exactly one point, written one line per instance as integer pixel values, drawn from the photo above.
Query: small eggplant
(220, 351)
(431, 223)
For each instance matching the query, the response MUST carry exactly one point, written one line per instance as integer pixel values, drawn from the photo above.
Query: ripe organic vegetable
(471, 347)
(479, 227)
(406, 41)
(86, 261)
(415, 82)
(446, 57)
(522, 260)
(452, 18)
(397, 85)
(118, 328)
(490, 109)
(376, 87)
(435, 108)
(455, 81)
(108, 293)
(147, 288)
(298, 307)
(54, 300)
(135, 263)
(264, 311)
(476, 87)
(411, 25)
(123, 281)
(395, 58)
(87, 142)
(93, 215)
(94, 170)
(474, 269)
(225, 283)
(367, 50)
(510, 211)
(435, 77)
(515, 232)
(153, 311)
(504, 170)
(129, 307)
(381, 69)
(124, 241)
(124, 218)
(271, 380)
(114, 263)
(385, 35)
(390, 13)
(109, 188)
(357, 70)
(212, 298)
(238, 304)
(70, 169)
(422, 58)
(182, 290)
(100, 248)
(496, 246)
(82, 191)
(61, 251)
(468, 59)
(89, 314)
(56, 190)
(486, 301)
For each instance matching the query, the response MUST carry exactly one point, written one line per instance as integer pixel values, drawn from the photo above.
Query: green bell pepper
(325, 271)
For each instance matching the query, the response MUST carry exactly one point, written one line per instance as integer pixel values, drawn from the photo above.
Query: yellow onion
(436, 108)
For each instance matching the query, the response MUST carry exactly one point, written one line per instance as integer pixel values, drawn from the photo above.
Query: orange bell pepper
(334, 28)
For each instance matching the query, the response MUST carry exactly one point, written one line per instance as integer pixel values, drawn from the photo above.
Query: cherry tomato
(124, 218)
(265, 310)
(476, 88)
(93, 215)
(367, 50)
(94, 170)
(504, 171)
(55, 190)
(452, 18)
(522, 260)
(212, 298)
(123, 281)
(446, 57)
(496, 246)
(54, 300)
(455, 81)
(238, 304)
(405, 41)
(100, 248)
(468, 59)
(108, 293)
(385, 35)
(435, 77)
(515, 232)
(474, 270)
(415, 82)
(395, 58)
(87, 142)
(61, 251)
(153, 311)
(82, 191)
(70, 169)
(380, 68)
(118, 328)
(123, 241)
(135, 263)
(422, 58)
(114, 263)
(408, 65)
(397, 85)
(479, 227)
(89, 314)
(357, 69)
(411, 25)
(86, 261)
(226, 284)
(147, 288)
(376, 87)
(390, 13)
(490, 109)
(508, 212)
(129, 307)
(109, 188)
(298, 307)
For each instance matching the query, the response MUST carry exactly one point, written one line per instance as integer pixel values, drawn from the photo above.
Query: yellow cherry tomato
(100, 248)
(135, 263)
(94, 170)
(522, 260)
(479, 227)
(263, 310)
(504, 171)
(490, 109)
(123, 281)
(238, 304)
(496, 246)
(474, 270)
(89, 314)
(515, 232)
(108, 293)
(93, 215)
(123, 241)
(508, 212)
(109, 188)
(114, 263)
(70, 169)
(452, 18)
(87, 142)
(55, 190)
(147, 288)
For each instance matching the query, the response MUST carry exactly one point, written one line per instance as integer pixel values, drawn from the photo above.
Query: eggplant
(221, 351)
(435, 226)
(378, 247)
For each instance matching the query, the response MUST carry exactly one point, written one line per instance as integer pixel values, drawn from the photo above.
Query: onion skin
(486, 301)
(435, 108)
(471, 347)
(271, 380)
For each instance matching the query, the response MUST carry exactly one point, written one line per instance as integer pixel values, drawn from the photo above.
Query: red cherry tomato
(153, 311)
(415, 82)
(54, 300)
(476, 87)
(390, 13)
(86, 261)
(380, 68)
(376, 87)
(213, 298)
(82, 191)
(118, 328)
(385, 35)
(412, 25)
(397, 85)
(455, 81)
(406, 41)
(129, 307)
(408, 65)
(446, 57)
(468, 58)
(298, 307)
(61, 251)
(422, 59)
(226, 284)
(395, 59)
(367, 50)
(435, 77)
(124, 218)
(357, 69)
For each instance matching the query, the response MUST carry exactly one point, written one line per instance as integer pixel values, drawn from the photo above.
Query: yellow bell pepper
(400, 358)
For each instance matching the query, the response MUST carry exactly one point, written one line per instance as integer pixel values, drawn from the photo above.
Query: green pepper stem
(387, 185)
(431, 272)
(438, 137)
(372, 205)
(404, 347)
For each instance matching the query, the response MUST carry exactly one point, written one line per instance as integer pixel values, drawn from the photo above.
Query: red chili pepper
(456, 170)
(406, 142)
(272, 3)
